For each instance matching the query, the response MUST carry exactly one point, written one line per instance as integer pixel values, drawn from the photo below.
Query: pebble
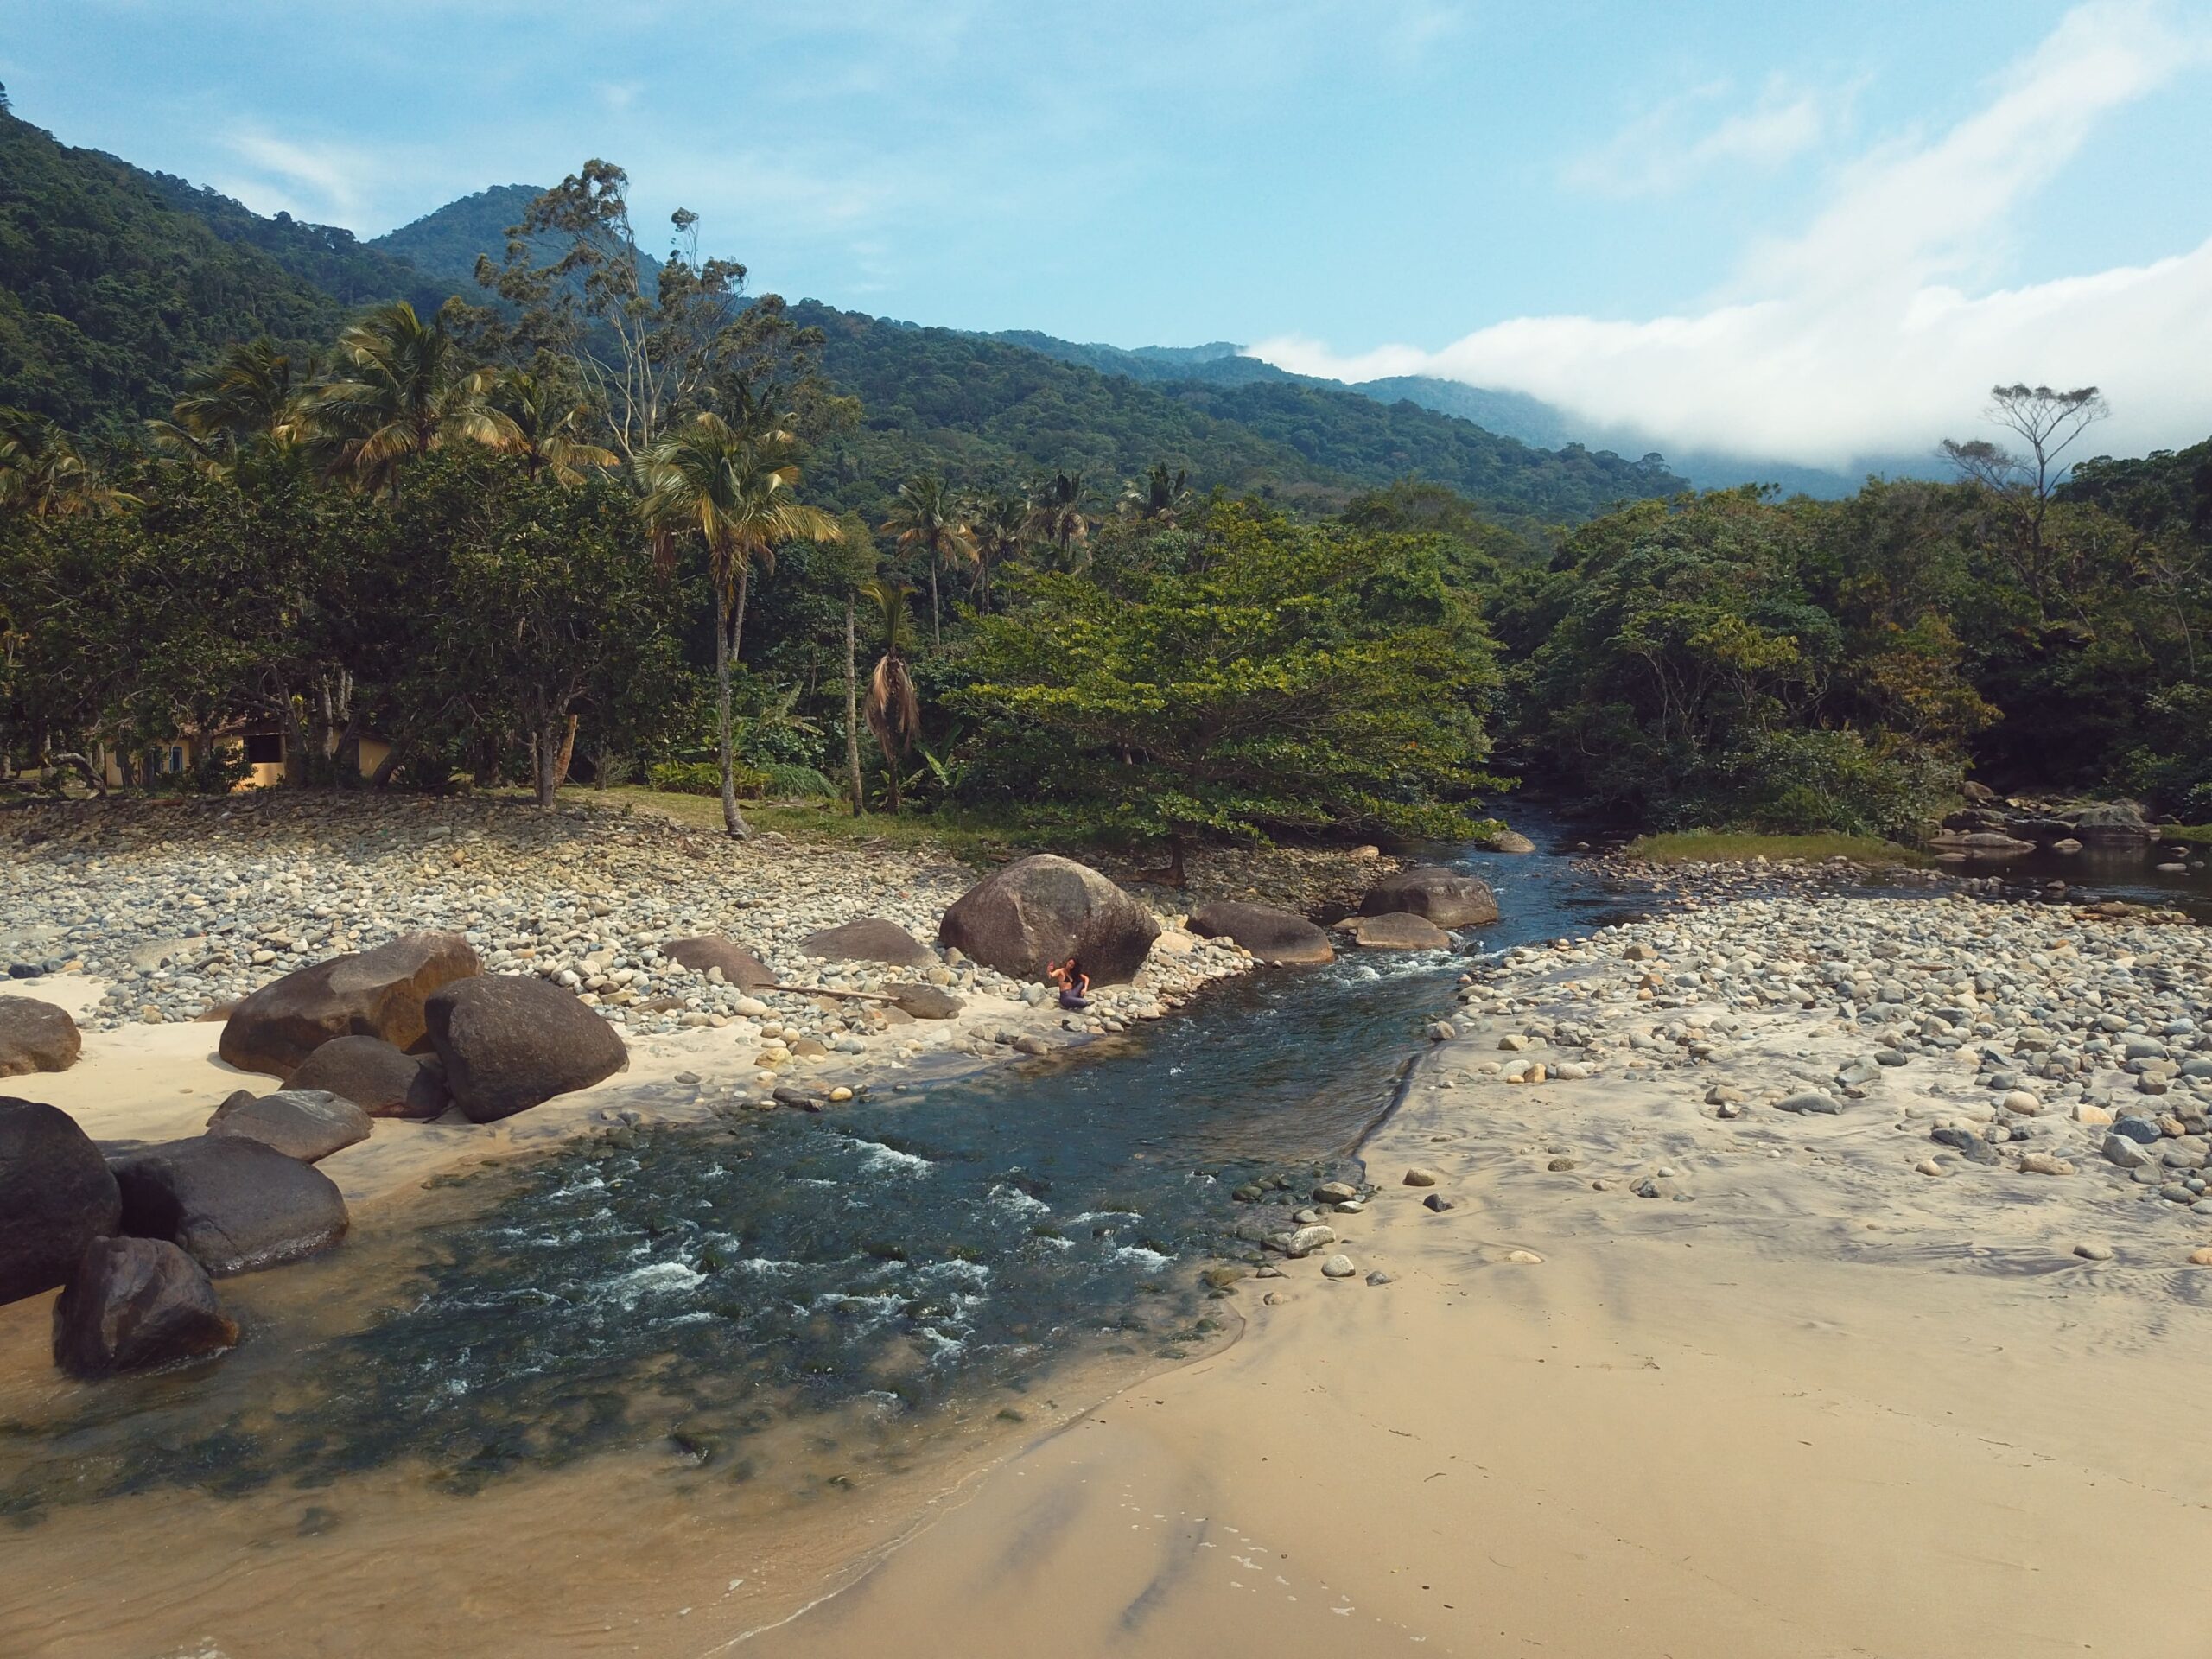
(1523, 1258)
(2045, 1163)
(1559, 1164)
(2201, 1257)
(1338, 1266)
(2093, 1250)
(1438, 1203)
(1417, 1176)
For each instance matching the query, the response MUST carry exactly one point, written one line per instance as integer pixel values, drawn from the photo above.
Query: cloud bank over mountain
(1867, 334)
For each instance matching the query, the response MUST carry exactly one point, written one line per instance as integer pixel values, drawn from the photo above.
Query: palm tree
(547, 428)
(42, 474)
(894, 712)
(998, 526)
(1160, 498)
(252, 393)
(926, 515)
(706, 476)
(1056, 513)
(403, 391)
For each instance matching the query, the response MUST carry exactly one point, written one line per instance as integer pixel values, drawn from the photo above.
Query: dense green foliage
(619, 510)
(1807, 665)
(108, 293)
(982, 407)
(1249, 675)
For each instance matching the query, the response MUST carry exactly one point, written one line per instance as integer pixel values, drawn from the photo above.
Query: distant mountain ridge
(115, 282)
(1509, 414)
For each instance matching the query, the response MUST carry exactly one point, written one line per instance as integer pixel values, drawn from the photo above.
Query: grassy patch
(1730, 847)
(963, 835)
(2199, 833)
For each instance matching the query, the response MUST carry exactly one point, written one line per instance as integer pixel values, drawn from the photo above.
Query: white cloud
(1661, 150)
(327, 184)
(1865, 334)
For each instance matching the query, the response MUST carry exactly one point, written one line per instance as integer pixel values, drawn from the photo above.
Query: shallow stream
(701, 1285)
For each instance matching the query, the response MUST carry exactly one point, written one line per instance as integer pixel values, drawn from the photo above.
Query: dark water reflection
(2128, 873)
(698, 1286)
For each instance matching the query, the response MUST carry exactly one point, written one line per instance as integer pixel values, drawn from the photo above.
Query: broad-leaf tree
(1260, 676)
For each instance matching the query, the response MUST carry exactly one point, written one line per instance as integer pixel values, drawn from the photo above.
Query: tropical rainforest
(526, 502)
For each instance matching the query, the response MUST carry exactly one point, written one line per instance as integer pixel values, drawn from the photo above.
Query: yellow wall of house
(181, 753)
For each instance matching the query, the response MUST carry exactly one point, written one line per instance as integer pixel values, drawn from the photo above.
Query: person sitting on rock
(1074, 983)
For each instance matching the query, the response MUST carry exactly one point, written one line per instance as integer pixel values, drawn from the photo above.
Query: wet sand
(1824, 1404)
(1668, 1437)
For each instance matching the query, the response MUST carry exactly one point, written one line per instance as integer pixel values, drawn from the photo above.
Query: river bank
(1756, 1279)
(1668, 1368)
(145, 920)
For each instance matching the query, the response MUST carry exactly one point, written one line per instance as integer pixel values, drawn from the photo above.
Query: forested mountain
(108, 292)
(114, 281)
(445, 242)
(980, 406)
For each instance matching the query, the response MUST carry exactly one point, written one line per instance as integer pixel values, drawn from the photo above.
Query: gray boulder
(308, 1124)
(376, 1077)
(1396, 931)
(1509, 841)
(2112, 823)
(132, 1303)
(231, 1204)
(869, 939)
(56, 1196)
(377, 993)
(740, 966)
(36, 1036)
(924, 1002)
(1043, 909)
(1277, 937)
(508, 1043)
(1447, 898)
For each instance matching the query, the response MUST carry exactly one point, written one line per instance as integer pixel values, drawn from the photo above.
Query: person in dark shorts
(1074, 983)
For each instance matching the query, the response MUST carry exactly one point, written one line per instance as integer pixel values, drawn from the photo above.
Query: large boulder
(56, 1196)
(1273, 935)
(740, 966)
(308, 1124)
(137, 1302)
(232, 1203)
(376, 1077)
(378, 992)
(1398, 930)
(1445, 897)
(869, 939)
(2112, 823)
(36, 1036)
(1044, 909)
(509, 1043)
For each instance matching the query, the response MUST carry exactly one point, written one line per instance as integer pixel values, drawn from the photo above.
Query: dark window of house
(265, 749)
(176, 757)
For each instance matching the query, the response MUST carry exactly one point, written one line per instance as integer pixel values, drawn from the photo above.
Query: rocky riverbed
(2014, 1047)
(182, 908)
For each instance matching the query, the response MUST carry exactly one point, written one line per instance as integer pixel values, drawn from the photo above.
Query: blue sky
(1816, 231)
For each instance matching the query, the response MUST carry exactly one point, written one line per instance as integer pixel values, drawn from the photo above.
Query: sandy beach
(1823, 1404)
